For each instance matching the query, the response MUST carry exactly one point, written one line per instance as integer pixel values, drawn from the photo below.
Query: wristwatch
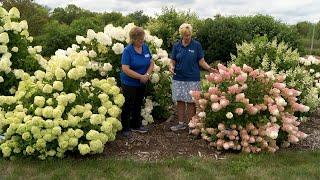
(148, 74)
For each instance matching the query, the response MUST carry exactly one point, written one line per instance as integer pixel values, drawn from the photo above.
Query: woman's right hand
(171, 69)
(144, 78)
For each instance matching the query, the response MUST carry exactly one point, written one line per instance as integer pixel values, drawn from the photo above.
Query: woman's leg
(191, 111)
(128, 93)
(181, 109)
(138, 102)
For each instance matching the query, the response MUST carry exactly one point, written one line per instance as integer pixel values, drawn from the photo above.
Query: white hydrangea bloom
(155, 78)
(119, 34)
(156, 68)
(91, 34)
(92, 54)
(38, 49)
(32, 50)
(14, 49)
(107, 67)
(229, 115)
(118, 48)
(3, 49)
(24, 25)
(104, 39)
(80, 39)
(14, 13)
(157, 42)
(108, 29)
(4, 38)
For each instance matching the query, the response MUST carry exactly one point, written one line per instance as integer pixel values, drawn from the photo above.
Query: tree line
(57, 28)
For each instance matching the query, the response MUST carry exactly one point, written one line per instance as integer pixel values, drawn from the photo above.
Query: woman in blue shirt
(186, 59)
(136, 67)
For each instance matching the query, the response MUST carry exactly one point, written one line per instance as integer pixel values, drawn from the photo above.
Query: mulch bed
(161, 143)
(312, 128)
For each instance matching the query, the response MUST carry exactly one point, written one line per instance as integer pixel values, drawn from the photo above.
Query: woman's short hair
(136, 33)
(185, 27)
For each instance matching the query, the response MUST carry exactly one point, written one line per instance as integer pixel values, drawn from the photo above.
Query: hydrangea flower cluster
(17, 57)
(56, 111)
(302, 73)
(246, 109)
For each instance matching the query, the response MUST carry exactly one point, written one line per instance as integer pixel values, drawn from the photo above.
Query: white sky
(288, 11)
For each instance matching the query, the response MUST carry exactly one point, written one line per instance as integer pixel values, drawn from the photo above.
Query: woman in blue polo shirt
(186, 59)
(136, 67)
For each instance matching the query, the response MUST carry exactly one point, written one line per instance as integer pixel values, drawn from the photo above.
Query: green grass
(282, 165)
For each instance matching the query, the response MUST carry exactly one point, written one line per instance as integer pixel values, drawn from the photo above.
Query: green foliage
(307, 44)
(166, 25)
(70, 13)
(115, 18)
(17, 56)
(220, 36)
(138, 18)
(55, 36)
(161, 94)
(20, 60)
(304, 28)
(260, 53)
(36, 15)
(303, 81)
(81, 25)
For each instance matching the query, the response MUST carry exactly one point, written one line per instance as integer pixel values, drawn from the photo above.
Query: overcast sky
(289, 11)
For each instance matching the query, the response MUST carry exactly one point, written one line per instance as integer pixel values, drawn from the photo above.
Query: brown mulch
(312, 128)
(161, 143)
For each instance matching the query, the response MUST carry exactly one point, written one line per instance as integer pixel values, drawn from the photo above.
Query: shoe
(125, 133)
(180, 126)
(140, 130)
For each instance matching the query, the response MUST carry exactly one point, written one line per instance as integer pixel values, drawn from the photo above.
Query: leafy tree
(80, 26)
(139, 18)
(304, 28)
(219, 36)
(115, 18)
(166, 25)
(70, 13)
(56, 36)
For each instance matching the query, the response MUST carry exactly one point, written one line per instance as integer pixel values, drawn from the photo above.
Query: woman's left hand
(212, 70)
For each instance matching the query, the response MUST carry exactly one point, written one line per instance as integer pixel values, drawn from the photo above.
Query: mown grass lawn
(282, 165)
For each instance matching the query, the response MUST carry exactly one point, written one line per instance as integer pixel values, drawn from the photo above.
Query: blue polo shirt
(137, 62)
(187, 61)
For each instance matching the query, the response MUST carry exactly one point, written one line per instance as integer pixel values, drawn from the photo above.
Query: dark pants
(131, 110)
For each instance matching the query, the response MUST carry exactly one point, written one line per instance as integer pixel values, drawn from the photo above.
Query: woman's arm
(172, 66)
(126, 69)
(150, 69)
(148, 73)
(205, 65)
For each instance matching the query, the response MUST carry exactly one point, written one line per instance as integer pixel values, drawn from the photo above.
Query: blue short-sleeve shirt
(137, 62)
(187, 61)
